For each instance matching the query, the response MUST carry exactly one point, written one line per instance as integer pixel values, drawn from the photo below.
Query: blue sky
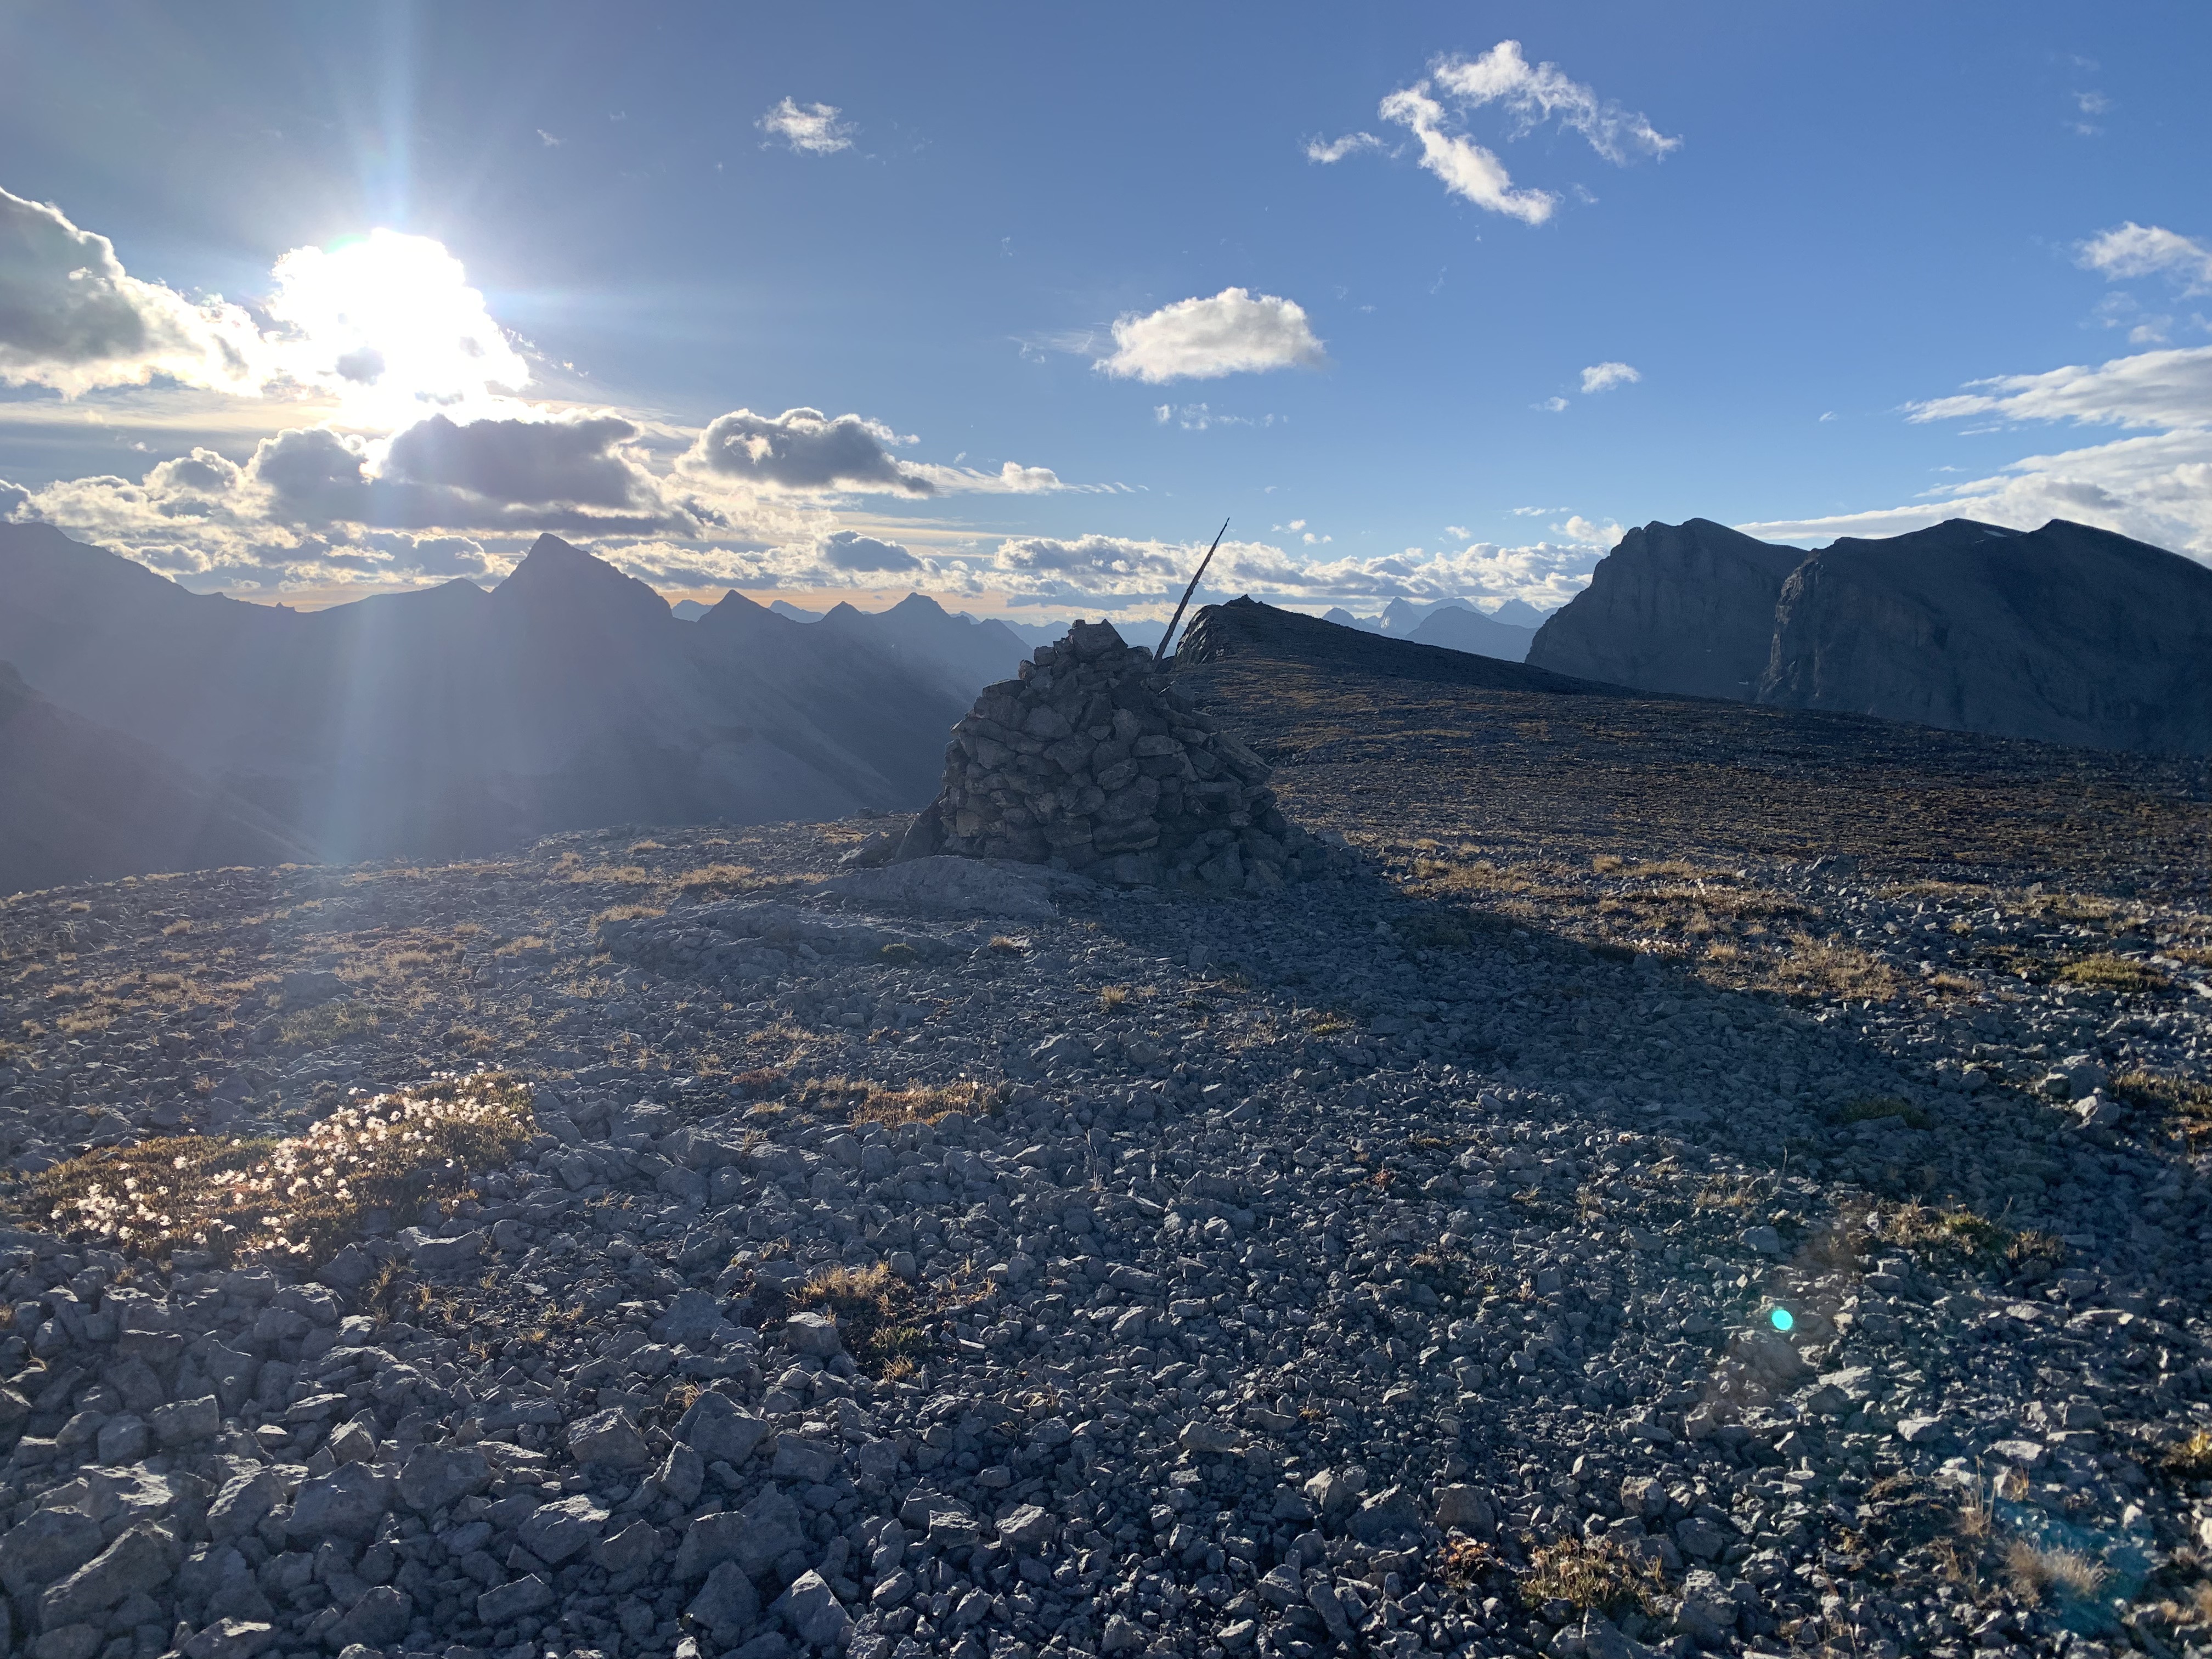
(1086, 284)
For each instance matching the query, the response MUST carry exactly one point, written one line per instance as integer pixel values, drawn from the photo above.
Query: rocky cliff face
(1687, 608)
(2065, 634)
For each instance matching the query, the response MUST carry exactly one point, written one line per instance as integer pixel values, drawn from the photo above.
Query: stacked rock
(1093, 761)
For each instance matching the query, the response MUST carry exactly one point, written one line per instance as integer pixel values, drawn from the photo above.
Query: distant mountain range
(1454, 624)
(2065, 634)
(440, 722)
(969, 652)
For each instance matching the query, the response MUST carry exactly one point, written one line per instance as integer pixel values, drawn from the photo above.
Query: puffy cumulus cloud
(1432, 110)
(568, 476)
(1336, 150)
(804, 449)
(806, 128)
(1603, 377)
(1541, 93)
(2153, 388)
(72, 319)
(1582, 531)
(576, 463)
(311, 496)
(1234, 333)
(849, 550)
(2131, 250)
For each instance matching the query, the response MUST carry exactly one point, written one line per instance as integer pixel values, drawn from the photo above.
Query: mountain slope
(1456, 629)
(453, 719)
(2065, 634)
(82, 803)
(967, 654)
(1244, 629)
(2062, 634)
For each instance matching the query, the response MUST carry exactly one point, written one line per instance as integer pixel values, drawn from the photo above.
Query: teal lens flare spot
(1782, 1319)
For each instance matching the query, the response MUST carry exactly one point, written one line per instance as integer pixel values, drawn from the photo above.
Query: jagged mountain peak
(559, 574)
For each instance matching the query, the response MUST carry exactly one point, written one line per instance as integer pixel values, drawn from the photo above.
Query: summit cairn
(1093, 761)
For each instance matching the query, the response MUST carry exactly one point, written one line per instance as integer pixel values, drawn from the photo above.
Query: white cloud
(804, 449)
(1197, 417)
(848, 550)
(548, 139)
(1603, 377)
(1582, 530)
(1552, 405)
(807, 129)
(1537, 94)
(2156, 488)
(1011, 479)
(2133, 250)
(1465, 167)
(72, 319)
(1119, 573)
(2156, 388)
(1234, 333)
(1532, 94)
(1336, 149)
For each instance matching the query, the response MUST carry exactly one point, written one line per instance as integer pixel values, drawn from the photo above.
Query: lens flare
(1782, 1319)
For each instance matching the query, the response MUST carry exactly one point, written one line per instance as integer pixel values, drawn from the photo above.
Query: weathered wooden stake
(1167, 638)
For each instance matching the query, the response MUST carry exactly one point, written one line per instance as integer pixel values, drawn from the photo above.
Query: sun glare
(388, 324)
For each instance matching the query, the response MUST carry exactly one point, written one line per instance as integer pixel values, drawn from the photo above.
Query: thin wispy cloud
(1434, 110)
(2154, 388)
(1336, 150)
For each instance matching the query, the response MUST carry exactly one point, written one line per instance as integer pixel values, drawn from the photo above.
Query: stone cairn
(1093, 761)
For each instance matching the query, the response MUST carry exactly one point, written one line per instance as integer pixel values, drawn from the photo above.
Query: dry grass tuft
(2178, 1097)
(332, 1022)
(1591, 1576)
(1881, 1106)
(863, 1102)
(1112, 997)
(1933, 1232)
(2105, 972)
(294, 1200)
(2189, 1458)
(876, 1311)
(714, 875)
(2036, 1571)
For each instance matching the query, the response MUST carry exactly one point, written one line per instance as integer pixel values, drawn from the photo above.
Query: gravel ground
(1351, 1266)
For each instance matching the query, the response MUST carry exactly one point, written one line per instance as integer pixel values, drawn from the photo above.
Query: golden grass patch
(294, 1200)
(2106, 972)
(862, 1101)
(332, 1022)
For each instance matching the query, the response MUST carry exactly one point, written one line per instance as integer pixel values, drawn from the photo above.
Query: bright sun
(389, 324)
